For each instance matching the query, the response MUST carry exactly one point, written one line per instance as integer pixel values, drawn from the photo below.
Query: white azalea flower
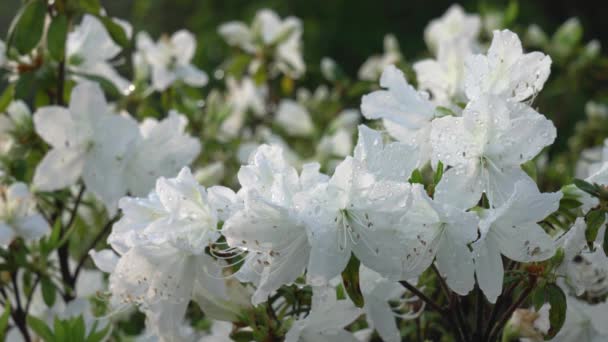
(584, 322)
(244, 97)
(171, 59)
(378, 292)
(455, 24)
(164, 148)
(268, 226)
(326, 320)
(444, 229)
(161, 243)
(406, 113)
(17, 114)
(583, 270)
(18, 215)
(486, 147)
(294, 118)
(269, 31)
(87, 140)
(443, 77)
(505, 70)
(512, 230)
(361, 210)
(338, 142)
(90, 49)
(375, 65)
(111, 153)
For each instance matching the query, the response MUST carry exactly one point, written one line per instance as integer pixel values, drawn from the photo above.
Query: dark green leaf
(49, 292)
(24, 85)
(586, 187)
(116, 31)
(60, 329)
(98, 335)
(557, 313)
(56, 37)
(538, 297)
(594, 220)
(444, 111)
(350, 278)
(510, 13)
(27, 27)
(568, 203)
(438, 173)
(40, 328)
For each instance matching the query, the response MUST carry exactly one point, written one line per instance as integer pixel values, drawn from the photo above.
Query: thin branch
(106, 229)
(455, 326)
(507, 314)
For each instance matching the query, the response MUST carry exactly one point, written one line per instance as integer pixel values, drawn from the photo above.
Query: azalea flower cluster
(265, 213)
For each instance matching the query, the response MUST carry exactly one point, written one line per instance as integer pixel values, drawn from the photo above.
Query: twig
(95, 241)
(507, 314)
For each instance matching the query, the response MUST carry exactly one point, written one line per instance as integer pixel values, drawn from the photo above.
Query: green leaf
(118, 34)
(4, 319)
(77, 329)
(24, 85)
(438, 173)
(98, 335)
(49, 292)
(60, 329)
(557, 313)
(586, 187)
(89, 6)
(529, 168)
(416, 177)
(40, 328)
(7, 97)
(350, 278)
(594, 220)
(56, 37)
(538, 297)
(444, 111)
(569, 203)
(27, 27)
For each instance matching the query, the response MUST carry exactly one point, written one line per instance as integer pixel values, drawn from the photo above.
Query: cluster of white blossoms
(112, 153)
(357, 205)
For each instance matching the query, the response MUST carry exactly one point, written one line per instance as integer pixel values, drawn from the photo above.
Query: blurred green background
(348, 31)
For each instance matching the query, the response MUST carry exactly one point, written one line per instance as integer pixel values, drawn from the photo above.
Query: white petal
(488, 268)
(525, 242)
(455, 263)
(383, 319)
(392, 161)
(7, 234)
(401, 103)
(459, 187)
(54, 124)
(184, 44)
(88, 103)
(104, 259)
(32, 227)
(60, 168)
(191, 75)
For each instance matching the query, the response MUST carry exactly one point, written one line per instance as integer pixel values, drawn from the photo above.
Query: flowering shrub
(144, 199)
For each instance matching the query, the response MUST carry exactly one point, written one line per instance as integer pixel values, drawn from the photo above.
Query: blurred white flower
(18, 215)
(90, 49)
(171, 59)
(294, 118)
(455, 24)
(268, 31)
(375, 65)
